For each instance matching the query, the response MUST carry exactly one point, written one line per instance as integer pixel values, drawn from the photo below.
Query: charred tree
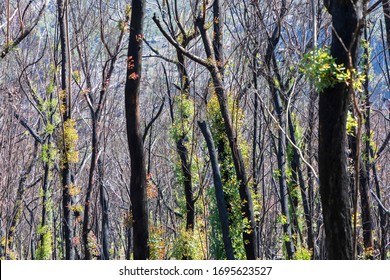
(65, 97)
(138, 198)
(221, 204)
(334, 101)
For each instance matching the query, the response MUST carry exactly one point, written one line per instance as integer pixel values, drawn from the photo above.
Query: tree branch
(175, 44)
(153, 120)
(33, 133)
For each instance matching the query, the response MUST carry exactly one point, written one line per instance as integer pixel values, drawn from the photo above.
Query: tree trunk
(66, 180)
(281, 159)
(223, 214)
(186, 171)
(87, 205)
(139, 207)
(182, 149)
(333, 108)
(383, 218)
(105, 255)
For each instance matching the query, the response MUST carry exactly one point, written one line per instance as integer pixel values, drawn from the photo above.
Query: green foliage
(128, 10)
(183, 117)
(93, 244)
(281, 219)
(370, 138)
(302, 254)
(44, 249)
(232, 196)
(188, 245)
(321, 68)
(238, 225)
(76, 76)
(157, 245)
(352, 124)
(49, 153)
(71, 138)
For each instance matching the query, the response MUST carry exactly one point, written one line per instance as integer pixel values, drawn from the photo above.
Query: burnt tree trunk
(219, 194)
(105, 254)
(138, 198)
(181, 147)
(334, 102)
(66, 180)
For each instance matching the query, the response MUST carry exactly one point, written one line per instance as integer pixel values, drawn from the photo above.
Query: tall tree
(139, 205)
(334, 102)
(67, 128)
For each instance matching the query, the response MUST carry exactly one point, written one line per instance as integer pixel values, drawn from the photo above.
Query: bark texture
(347, 18)
(139, 206)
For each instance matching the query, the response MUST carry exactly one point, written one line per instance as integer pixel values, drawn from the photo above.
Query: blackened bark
(364, 185)
(87, 205)
(66, 180)
(222, 210)
(186, 171)
(281, 159)
(365, 203)
(333, 107)
(255, 125)
(105, 255)
(218, 33)
(139, 207)
(182, 149)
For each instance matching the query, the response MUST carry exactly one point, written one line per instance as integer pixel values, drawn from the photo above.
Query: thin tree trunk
(309, 141)
(281, 159)
(365, 201)
(222, 210)
(255, 126)
(46, 210)
(105, 211)
(66, 180)
(302, 186)
(182, 149)
(94, 156)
